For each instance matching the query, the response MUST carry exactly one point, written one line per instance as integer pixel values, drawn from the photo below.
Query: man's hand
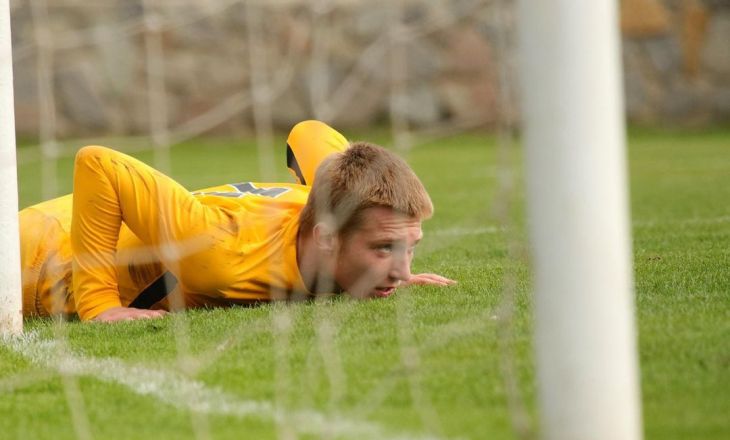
(128, 314)
(428, 279)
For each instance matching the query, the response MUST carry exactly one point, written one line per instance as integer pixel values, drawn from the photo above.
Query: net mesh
(49, 47)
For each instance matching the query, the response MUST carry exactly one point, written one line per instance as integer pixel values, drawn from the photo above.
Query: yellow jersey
(126, 225)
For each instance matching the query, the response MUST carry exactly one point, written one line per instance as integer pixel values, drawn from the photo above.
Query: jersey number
(241, 189)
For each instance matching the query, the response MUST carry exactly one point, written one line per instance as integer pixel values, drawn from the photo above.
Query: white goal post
(574, 133)
(11, 304)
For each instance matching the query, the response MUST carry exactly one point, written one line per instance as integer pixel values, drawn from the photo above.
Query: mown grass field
(424, 363)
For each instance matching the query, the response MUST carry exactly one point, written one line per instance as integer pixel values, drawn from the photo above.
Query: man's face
(374, 259)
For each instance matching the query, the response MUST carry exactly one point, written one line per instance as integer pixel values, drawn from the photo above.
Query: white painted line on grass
(184, 393)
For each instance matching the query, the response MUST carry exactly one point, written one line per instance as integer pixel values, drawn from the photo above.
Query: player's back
(258, 214)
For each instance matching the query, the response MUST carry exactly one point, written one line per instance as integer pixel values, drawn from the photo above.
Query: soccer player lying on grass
(132, 243)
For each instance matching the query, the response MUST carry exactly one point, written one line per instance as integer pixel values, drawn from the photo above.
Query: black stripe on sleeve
(155, 292)
(291, 162)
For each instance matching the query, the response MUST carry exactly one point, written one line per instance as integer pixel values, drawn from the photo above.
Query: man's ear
(325, 237)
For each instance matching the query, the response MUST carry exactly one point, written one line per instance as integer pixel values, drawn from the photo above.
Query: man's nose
(401, 269)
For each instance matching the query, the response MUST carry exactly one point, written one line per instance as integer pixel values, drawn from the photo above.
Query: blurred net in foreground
(147, 75)
(170, 71)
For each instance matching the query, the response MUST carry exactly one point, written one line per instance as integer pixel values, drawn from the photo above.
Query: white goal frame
(574, 134)
(11, 302)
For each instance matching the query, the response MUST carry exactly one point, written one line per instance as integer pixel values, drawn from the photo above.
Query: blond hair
(363, 176)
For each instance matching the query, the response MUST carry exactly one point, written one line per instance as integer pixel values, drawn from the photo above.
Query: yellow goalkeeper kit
(128, 233)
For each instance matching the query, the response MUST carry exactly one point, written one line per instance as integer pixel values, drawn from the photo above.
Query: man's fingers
(128, 314)
(149, 314)
(430, 279)
(438, 278)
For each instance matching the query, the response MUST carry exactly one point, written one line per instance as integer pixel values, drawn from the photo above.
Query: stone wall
(186, 67)
(677, 61)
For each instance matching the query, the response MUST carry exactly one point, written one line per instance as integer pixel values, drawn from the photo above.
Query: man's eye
(385, 248)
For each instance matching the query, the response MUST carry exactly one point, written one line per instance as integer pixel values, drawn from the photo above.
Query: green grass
(426, 361)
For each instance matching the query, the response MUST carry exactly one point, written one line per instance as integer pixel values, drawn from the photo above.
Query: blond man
(132, 243)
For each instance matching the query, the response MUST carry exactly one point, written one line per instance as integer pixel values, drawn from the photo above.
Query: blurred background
(176, 69)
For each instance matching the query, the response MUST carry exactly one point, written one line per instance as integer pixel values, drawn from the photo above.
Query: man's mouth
(383, 292)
